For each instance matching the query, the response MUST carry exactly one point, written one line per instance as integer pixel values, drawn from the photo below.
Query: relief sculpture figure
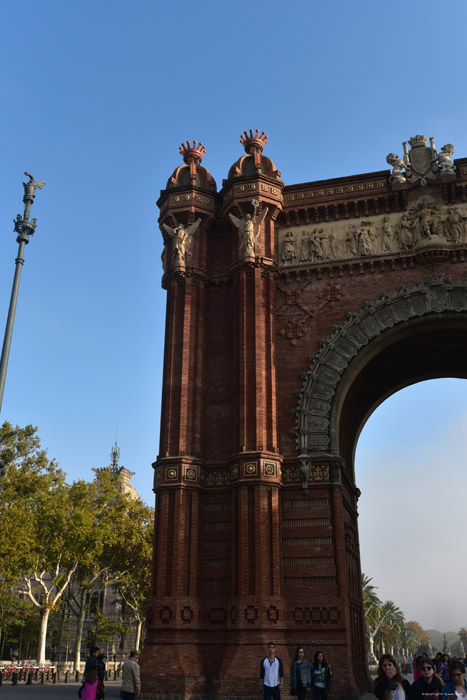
(289, 252)
(305, 248)
(406, 237)
(351, 240)
(333, 245)
(424, 222)
(325, 245)
(365, 244)
(437, 227)
(388, 234)
(455, 226)
(316, 252)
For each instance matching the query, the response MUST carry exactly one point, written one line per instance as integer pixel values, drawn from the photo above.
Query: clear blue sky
(96, 99)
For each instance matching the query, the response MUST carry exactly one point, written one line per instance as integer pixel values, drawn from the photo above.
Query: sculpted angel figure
(248, 229)
(181, 239)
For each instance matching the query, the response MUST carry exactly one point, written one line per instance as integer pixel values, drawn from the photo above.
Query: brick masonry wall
(243, 554)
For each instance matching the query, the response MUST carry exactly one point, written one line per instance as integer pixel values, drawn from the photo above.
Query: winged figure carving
(181, 238)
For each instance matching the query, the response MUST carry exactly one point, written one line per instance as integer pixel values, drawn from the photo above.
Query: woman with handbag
(300, 675)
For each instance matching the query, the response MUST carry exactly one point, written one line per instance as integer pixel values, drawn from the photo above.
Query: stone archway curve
(316, 420)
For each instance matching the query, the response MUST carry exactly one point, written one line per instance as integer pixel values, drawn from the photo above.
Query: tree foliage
(131, 563)
(67, 540)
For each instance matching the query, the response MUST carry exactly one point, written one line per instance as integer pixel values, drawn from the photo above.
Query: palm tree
(373, 619)
(390, 630)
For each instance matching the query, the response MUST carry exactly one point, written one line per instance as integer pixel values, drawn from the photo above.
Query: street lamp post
(24, 228)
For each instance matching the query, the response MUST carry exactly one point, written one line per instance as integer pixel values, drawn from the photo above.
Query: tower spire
(114, 457)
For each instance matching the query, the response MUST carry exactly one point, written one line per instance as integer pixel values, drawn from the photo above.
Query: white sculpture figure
(424, 221)
(181, 239)
(406, 236)
(437, 226)
(333, 245)
(316, 250)
(364, 239)
(446, 166)
(305, 248)
(352, 240)
(388, 234)
(455, 226)
(397, 165)
(248, 229)
(325, 245)
(289, 251)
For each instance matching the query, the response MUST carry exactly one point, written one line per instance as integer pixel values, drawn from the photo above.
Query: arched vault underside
(409, 336)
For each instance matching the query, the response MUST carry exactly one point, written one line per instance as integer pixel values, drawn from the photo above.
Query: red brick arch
(364, 344)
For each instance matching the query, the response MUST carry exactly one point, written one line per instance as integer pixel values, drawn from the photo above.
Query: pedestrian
(457, 686)
(439, 663)
(445, 668)
(271, 672)
(321, 676)
(100, 668)
(389, 684)
(429, 686)
(91, 661)
(90, 689)
(131, 684)
(300, 675)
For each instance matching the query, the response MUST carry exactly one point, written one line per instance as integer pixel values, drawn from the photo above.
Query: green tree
(393, 625)
(19, 623)
(372, 607)
(131, 562)
(421, 635)
(50, 525)
(104, 628)
(100, 557)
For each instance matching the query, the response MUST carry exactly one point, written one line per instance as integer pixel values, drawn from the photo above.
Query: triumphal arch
(293, 310)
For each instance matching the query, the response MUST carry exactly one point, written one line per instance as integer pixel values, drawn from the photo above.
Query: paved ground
(36, 691)
(70, 690)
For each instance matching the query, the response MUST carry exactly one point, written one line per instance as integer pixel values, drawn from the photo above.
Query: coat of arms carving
(421, 162)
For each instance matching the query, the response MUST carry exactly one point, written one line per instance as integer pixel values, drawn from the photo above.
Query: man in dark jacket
(91, 661)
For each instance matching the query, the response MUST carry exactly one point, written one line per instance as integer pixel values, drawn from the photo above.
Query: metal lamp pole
(24, 228)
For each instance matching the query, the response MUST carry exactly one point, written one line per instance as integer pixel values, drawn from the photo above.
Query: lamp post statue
(24, 228)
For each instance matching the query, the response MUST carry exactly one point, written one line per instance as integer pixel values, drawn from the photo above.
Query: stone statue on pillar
(181, 240)
(248, 228)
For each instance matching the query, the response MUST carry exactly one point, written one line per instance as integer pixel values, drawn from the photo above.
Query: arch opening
(410, 470)
(429, 348)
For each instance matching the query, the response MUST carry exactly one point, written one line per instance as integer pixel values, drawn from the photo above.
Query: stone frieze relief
(427, 222)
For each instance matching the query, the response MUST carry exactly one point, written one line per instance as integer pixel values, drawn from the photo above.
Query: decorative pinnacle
(193, 153)
(23, 226)
(253, 142)
(114, 456)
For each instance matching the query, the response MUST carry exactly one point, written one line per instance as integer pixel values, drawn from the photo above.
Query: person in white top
(271, 672)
